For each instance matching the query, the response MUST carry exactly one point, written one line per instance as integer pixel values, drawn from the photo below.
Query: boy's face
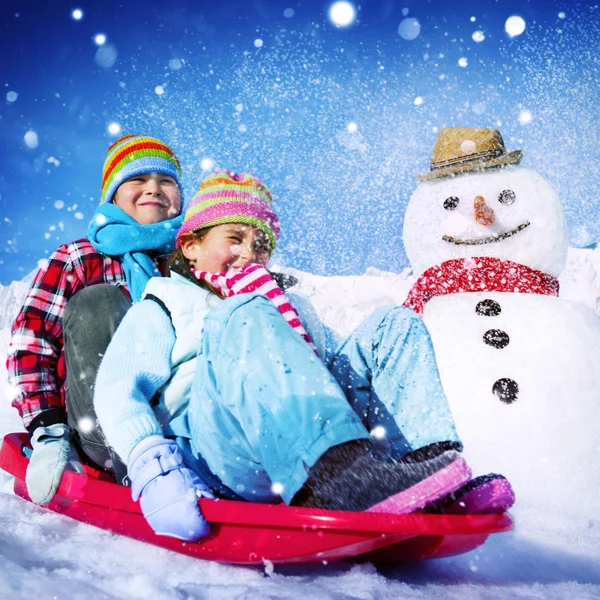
(149, 198)
(228, 246)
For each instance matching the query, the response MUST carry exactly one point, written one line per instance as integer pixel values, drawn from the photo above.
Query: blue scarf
(115, 233)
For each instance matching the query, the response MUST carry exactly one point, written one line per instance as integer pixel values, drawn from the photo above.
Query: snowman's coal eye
(507, 197)
(451, 203)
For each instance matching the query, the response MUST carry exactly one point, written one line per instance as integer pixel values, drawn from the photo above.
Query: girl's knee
(406, 316)
(400, 323)
(242, 306)
(396, 315)
(251, 303)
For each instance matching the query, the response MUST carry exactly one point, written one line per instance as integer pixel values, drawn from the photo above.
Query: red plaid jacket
(36, 362)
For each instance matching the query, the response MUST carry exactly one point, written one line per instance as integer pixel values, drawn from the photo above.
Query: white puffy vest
(187, 304)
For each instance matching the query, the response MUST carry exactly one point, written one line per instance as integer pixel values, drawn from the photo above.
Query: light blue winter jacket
(187, 304)
(144, 382)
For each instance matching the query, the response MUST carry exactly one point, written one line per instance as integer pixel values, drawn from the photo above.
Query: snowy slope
(45, 555)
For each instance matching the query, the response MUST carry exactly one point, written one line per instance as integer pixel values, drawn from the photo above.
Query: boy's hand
(52, 454)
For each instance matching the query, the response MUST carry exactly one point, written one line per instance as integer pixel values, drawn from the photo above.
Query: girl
(214, 384)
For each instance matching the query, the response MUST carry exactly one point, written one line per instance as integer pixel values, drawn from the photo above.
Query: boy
(76, 302)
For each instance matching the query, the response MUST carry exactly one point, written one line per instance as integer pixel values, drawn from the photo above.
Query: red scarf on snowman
(480, 274)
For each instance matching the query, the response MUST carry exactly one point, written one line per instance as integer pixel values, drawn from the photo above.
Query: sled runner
(247, 533)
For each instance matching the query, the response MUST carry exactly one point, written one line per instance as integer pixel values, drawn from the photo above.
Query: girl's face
(149, 198)
(228, 246)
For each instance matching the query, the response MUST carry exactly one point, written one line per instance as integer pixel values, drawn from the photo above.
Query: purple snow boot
(485, 494)
(441, 484)
(355, 477)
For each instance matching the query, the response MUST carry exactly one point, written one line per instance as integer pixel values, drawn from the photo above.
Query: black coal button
(506, 389)
(496, 338)
(488, 308)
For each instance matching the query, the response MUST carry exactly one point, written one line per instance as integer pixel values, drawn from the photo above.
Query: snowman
(487, 241)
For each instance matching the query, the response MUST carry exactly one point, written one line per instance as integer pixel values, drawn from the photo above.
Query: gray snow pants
(90, 319)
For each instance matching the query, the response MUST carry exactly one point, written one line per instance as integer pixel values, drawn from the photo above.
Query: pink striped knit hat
(226, 197)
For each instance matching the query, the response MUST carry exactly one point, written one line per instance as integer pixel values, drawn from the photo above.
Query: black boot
(355, 477)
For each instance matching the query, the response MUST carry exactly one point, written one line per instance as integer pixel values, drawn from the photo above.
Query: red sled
(252, 534)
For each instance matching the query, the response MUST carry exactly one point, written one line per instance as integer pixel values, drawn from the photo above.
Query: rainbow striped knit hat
(134, 155)
(226, 197)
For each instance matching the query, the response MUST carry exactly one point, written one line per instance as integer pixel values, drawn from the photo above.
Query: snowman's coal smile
(486, 240)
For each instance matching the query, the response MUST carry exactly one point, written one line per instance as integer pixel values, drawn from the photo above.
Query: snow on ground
(44, 555)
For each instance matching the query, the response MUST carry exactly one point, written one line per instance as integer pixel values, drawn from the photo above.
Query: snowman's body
(521, 370)
(524, 409)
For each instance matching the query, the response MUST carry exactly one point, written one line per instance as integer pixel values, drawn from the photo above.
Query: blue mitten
(169, 490)
(52, 453)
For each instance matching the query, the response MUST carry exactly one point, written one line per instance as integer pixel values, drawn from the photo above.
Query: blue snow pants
(388, 372)
(264, 407)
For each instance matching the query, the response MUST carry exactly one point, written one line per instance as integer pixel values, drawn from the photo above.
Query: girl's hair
(178, 260)
(177, 257)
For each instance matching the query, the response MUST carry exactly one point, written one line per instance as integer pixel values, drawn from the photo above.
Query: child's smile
(228, 246)
(149, 197)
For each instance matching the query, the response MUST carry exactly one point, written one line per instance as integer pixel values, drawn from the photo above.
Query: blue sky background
(271, 87)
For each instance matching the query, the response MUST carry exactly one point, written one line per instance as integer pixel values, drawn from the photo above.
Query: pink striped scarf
(255, 279)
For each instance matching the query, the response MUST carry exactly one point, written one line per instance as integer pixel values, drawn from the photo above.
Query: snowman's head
(509, 213)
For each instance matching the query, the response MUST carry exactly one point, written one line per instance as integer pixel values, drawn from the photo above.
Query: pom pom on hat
(226, 197)
(134, 155)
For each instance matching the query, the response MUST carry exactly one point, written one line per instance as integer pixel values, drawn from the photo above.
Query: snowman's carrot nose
(483, 213)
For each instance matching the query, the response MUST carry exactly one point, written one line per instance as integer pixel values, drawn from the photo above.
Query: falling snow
(342, 14)
(31, 139)
(514, 26)
(337, 120)
(106, 56)
(207, 164)
(525, 117)
(299, 93)
(277, 488)
(409, 29)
